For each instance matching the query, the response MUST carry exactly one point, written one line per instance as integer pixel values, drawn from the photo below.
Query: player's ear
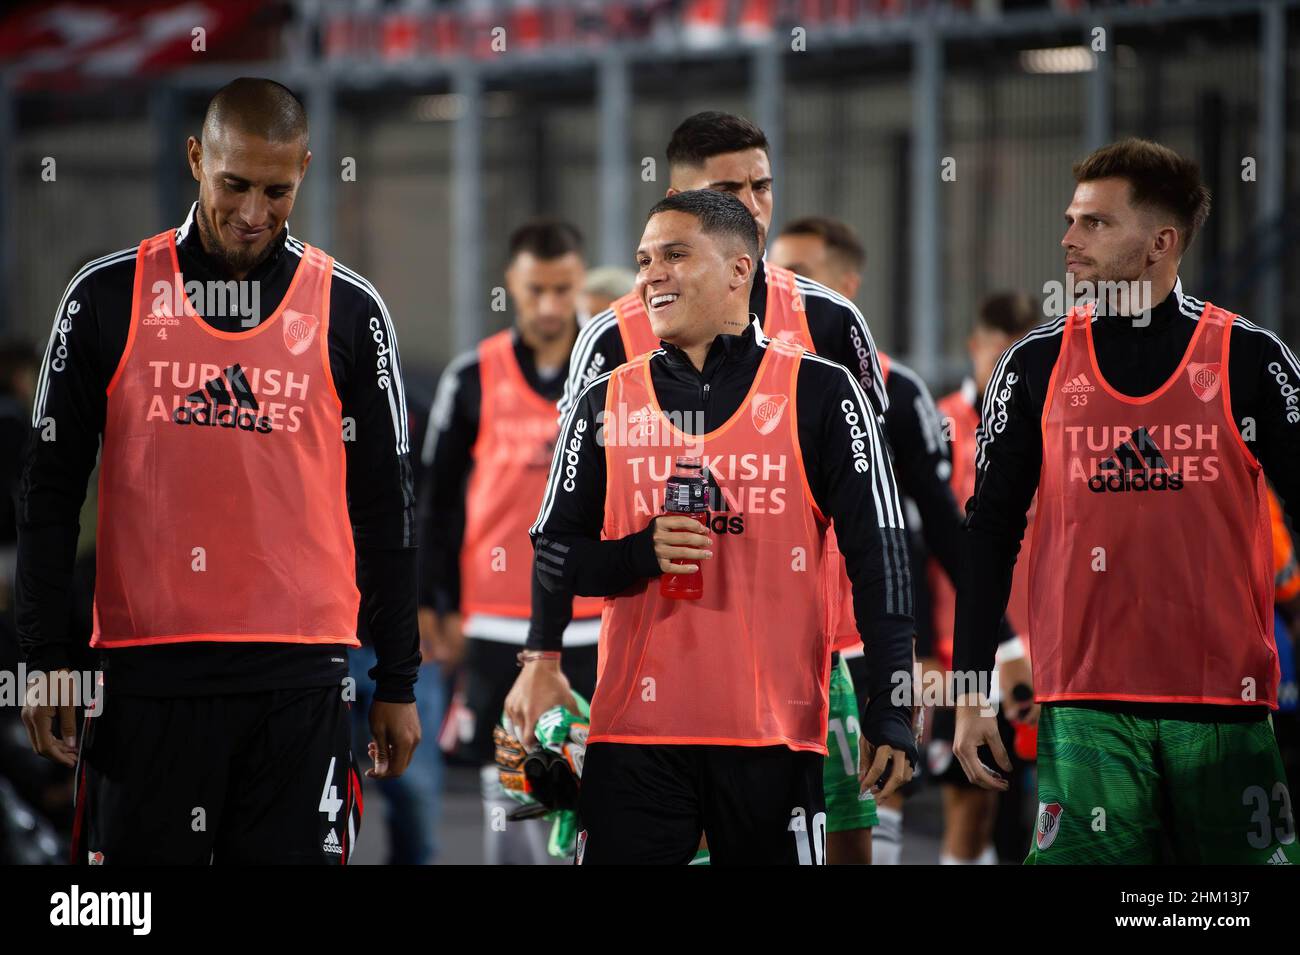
(1165, 243)
(742, 267)
(306, 159)
(194, 156)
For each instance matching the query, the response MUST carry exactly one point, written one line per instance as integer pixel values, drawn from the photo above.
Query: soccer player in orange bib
(254, 498)
(1146, 430)
(727, 153)
(488, 449)
(710, 714)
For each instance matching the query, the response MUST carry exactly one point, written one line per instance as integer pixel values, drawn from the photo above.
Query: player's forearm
(887, 647)
(442, 534)
(982, 593)
(568, 565)
(551, 613)
(442, 530)
(941, 525)
(387, 581)
(50, 498)
(43, 593)
(442, 513)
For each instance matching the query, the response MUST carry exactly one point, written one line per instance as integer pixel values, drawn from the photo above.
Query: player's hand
(1011, 674)
(541, 685)
(977, 725)
(680, 538)
(40, 715)
(872, 763)
(395, 728)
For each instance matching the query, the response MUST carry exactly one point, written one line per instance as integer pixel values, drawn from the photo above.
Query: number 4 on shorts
(330, 803)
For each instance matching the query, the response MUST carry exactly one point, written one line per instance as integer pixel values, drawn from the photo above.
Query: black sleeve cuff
(890, 693)
(393, 692)
(641, 552)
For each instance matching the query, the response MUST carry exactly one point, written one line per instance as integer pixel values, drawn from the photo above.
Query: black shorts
(247, 778)
(489, 671)
(649, 805)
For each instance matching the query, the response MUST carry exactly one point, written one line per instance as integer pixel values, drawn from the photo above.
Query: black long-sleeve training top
(1136, 359)
(864, 506)
(90, 332)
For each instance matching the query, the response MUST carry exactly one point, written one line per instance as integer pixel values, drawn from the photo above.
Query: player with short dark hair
(710, 716)
(488, 446)
(1146, 433)
(728, 154)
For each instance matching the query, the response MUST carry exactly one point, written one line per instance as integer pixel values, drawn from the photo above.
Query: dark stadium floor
(460, 836)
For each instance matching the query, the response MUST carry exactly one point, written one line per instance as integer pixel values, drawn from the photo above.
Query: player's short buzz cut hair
(546, 239)
(260, 107)
(712, 133)
(1012, 313)
(1158, 178)
(841, 240)
(720, 213)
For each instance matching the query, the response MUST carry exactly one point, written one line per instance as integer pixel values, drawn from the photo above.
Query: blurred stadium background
(454, 141)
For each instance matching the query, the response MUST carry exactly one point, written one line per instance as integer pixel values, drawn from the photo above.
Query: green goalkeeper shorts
(1120, 789)
(845, 807)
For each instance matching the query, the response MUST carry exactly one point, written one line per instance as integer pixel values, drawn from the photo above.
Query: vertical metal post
(324, 171)
(164, 110)
(1271, 168)
(1100, 109)
(614, 94)
(468, 300)
(767, 99)
(927, 131)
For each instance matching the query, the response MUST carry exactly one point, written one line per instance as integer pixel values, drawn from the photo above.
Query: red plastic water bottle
(686, 494)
